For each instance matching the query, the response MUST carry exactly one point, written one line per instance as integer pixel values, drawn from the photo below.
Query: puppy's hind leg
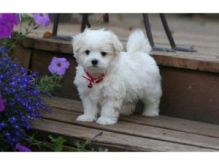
(151, 107)
(90, 110)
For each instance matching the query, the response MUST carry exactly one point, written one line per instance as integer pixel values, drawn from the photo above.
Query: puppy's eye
(103, 53)
(87, 52)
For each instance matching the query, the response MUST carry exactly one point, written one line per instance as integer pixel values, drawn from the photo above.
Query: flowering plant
(20, 90)
(9, 21)
(20, 103)
(20, 100)
(57, 68)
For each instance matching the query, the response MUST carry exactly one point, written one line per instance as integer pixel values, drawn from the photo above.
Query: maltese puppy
(107, 78)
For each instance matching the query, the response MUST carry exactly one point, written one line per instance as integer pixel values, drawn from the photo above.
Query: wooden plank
(52, 45)
(60, 46)
(190, 39)
(22, 56)
(204, 44)
(190, 94)
(194, 64)
(200, 60)
(139, 130)
(171, 123)
(114, 139)
(178, 124)
(197, 41)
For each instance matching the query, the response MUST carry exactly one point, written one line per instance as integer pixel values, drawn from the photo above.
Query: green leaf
(49, 83)
(57, 143)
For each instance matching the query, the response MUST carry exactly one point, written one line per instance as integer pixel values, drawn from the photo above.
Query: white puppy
(107, 78)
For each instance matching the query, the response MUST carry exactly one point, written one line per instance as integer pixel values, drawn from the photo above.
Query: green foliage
(49, 144)
(49, 83)
(81, 146)
(38, 144)
(57, 143)
(11, 43)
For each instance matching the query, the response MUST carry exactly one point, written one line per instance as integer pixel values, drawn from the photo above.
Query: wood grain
(116, 139)
(133, 129)
(171, 123)
(52, 45)
(22, 56)
(200, 60)
(199, 63)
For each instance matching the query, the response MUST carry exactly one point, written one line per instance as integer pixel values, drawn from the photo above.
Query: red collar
(93, 80)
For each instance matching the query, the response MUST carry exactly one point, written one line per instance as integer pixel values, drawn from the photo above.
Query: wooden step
(189, 80)
(132, 133)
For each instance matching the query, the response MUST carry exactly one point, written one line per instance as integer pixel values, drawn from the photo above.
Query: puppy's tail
(137, 42)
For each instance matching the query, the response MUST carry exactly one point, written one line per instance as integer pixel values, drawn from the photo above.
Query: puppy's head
(96, 49)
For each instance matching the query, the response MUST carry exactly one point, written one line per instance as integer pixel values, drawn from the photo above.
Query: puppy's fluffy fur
(129, 76)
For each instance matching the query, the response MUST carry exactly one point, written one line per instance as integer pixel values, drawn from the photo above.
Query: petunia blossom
(58, 66)
(7, 23)
(22, 148)
(41, 19)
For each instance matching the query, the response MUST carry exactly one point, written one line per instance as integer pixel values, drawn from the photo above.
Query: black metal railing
(85, 23)
(168, 33)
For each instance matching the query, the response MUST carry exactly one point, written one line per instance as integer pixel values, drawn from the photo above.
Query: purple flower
(58, 66)
(22, 148)
(22, 101)
(41, 19)
(3, 50)
(7, 23)
(2, 106)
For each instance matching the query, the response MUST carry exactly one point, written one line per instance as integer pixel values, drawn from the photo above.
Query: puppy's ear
(77, 42)
(117, 45)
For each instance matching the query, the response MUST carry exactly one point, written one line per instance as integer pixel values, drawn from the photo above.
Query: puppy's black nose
(94, 62)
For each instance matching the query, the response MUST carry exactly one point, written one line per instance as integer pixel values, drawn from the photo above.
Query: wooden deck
(132, 133)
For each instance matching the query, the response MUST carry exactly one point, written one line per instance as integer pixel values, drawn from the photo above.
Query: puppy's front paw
(106, 121)
(151, 113)
(86, 118)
